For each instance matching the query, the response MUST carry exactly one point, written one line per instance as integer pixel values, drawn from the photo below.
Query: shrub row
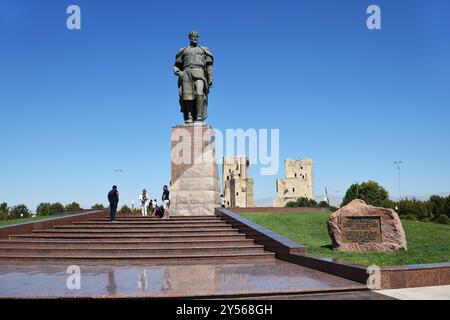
(309, 203)
(16, 212)
(43, 209)
(46, 208)
(436, 208)
(127, 209)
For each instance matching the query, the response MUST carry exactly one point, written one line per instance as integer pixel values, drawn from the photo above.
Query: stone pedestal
(195, 186)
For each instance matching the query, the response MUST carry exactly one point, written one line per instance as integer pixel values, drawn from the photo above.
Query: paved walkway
(423, 293)
(278, 277)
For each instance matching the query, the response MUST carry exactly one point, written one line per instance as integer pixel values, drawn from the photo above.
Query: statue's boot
(199, 104)
(189, 118)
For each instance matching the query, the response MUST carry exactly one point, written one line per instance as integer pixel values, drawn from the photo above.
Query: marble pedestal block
(195, 186)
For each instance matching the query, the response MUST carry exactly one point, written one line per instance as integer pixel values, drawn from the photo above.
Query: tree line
(43, 209)
(435, 209)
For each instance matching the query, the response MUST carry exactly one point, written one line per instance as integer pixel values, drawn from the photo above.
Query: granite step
(140, 227)
(156, 218)
(179, 259)
(205, 236)
(122, 243)
(175, 218)
(144, 232)
(169, 223)
(135, 239)
(141, 251)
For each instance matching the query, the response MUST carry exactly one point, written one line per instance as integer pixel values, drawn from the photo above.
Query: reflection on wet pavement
(166, 281)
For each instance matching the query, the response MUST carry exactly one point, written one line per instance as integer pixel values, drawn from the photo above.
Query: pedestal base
(195, 186)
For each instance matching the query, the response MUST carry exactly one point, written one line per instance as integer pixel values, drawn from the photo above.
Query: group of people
(155, 210)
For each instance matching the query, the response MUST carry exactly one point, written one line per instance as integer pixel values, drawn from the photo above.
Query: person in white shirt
(144, 198)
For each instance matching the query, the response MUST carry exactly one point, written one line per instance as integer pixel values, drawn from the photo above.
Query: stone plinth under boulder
(195, 188)
(358, 227)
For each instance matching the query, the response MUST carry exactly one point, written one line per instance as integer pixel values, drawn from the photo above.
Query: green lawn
(427, 242)
(23, 220)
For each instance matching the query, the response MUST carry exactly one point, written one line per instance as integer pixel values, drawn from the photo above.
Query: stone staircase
(137, 240)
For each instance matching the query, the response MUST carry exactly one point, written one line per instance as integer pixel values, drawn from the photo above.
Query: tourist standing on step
(144, 198)
(113, 198)
(166, 202)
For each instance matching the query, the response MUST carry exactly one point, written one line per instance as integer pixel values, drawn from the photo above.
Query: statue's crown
(193, 33)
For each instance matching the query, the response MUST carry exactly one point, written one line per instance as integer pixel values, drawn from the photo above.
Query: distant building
(298, 182)
(237, 187)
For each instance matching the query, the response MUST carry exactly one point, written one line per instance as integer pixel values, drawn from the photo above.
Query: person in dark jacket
(113, 198)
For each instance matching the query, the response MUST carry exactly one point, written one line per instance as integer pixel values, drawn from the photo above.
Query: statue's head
(193, 36)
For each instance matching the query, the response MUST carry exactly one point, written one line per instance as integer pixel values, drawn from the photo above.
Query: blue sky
(75, 105)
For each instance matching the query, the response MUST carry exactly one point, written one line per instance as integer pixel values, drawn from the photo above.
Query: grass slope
(427, 242)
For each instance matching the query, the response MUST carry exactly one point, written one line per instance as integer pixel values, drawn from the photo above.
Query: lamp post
(398, 163)
(357, 188)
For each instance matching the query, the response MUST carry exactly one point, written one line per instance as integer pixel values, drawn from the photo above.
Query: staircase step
(155, 260)
(144, 232)
(171, 217)
(140, 227)
(135, 239)
(141, 251)
(200, 218)
(196, 236)
(124, 243)
(170, 223)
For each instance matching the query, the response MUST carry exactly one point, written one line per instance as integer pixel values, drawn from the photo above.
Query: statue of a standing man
(193, 66)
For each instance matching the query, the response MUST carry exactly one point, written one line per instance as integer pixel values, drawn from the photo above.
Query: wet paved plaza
(279, 277)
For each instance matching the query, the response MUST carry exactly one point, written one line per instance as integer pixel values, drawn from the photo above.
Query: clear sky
(76, 105)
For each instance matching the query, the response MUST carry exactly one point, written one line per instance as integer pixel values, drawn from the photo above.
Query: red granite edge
(257, 210)
(28, 227)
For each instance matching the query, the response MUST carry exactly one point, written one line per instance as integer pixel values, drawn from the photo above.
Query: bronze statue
(193, 66)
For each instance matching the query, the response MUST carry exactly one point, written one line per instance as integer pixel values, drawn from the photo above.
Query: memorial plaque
(361, 229)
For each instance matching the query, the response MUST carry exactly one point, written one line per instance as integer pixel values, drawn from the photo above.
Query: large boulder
(358, 227)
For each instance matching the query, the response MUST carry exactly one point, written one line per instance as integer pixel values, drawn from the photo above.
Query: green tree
(57, 207)
(370, 192)
(44, 209)
(98, 206)
(302, 202)
(323, 204)
(19, 211)
(413, 209)
(125, 209)
(447, 206)
(437, 205)
(74, 206)
(442, 219)
(4, 211)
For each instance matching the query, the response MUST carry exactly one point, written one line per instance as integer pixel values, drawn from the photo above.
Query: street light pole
(398, 163)
(357, 189)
